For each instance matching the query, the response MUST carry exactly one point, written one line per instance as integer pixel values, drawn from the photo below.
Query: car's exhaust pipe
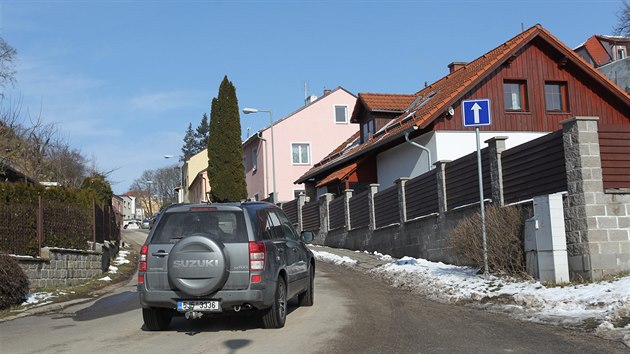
(193, 315)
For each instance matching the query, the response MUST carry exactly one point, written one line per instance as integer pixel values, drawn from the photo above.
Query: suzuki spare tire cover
(198, 265)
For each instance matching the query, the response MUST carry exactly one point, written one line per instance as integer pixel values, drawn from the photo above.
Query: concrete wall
(62, 267)
(618, 72)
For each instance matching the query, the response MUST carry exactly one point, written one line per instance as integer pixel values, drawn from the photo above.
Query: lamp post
(273, 155)
(180, 192)
(149, 183)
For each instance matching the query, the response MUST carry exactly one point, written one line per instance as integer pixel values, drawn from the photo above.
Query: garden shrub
(13, 282)
(504, 240)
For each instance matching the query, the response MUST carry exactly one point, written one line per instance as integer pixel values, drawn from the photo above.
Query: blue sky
(122, 79)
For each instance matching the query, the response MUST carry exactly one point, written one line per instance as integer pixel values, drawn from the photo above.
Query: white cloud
(159, 102)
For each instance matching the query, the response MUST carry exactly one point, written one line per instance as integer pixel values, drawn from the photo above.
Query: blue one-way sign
(476, 112)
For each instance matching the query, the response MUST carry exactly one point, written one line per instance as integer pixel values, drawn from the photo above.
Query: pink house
(302, 138)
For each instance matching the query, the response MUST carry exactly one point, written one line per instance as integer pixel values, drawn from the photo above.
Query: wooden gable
(535, 64)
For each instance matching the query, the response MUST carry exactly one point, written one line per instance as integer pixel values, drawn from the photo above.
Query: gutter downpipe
(419, 146)
(266, 191)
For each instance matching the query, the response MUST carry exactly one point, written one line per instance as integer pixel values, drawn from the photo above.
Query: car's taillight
(256, 256)
(142, 263)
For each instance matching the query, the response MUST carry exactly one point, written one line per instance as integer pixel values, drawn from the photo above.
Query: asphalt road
(353, 313)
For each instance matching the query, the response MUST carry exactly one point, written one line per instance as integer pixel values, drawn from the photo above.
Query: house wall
(199, 188)
(191, 168)
(618, 72)
(314, 124)
(258, 183)
(406, 160)
(586, 96)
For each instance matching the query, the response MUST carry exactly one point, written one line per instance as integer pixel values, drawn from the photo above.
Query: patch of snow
(333, 258)
(106, 278)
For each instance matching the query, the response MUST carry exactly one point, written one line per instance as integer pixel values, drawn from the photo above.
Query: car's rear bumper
(259, 296)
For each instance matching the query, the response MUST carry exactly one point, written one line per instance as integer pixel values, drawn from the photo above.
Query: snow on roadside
(605, 302)
(333, 258)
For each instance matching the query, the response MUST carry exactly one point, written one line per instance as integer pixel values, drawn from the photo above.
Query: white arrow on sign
(476, 108)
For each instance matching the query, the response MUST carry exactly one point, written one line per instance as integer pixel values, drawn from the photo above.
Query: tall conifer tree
(189, 147)
(201, 134)
(225, 153)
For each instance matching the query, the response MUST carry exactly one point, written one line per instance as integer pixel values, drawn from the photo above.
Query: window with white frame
(255, 159)
(341, 114)
(301, 153)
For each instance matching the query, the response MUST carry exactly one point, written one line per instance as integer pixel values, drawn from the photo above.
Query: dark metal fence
(337, 213)
(291, 209)
(462, 180)
(386, 207)
(360, 210)
(25, 228)
(310, 216)
(421, 195)
(534, 168)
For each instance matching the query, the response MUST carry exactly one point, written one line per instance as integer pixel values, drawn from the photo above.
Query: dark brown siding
(421, 195)
(386, 207)
(359, 210)
(532, 64)
(462, 180)
(534, 168)
(614, 145)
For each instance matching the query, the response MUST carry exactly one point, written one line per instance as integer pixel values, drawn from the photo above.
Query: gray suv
(223, 257)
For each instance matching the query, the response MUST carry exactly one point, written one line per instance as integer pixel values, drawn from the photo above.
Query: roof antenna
(305, 89)
(522, 27)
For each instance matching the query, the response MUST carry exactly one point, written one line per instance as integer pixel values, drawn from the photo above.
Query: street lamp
(180, 193)
(273, 155)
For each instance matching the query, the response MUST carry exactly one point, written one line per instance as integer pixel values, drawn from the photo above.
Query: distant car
(132, 224)
(146, 224)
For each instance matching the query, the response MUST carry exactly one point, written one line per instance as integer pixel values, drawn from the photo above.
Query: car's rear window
(225, 226)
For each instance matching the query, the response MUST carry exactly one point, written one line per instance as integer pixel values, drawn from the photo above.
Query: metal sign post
(476, 113)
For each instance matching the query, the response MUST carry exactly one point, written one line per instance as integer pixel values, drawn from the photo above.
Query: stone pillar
(324, 213)
(402, 199)
(372, 191)
(440, 176)
(585, 188)
(301, 200)
(347, 194)
(496, 146)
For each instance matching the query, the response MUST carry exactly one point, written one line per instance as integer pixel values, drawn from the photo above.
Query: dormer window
(621, 53)
(367, 130)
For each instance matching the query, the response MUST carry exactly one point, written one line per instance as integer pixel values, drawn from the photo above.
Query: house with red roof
(609, 54)
(533, 82)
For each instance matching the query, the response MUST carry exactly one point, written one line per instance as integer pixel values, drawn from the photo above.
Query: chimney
(327, 91)
(456, 65)
(310, 99)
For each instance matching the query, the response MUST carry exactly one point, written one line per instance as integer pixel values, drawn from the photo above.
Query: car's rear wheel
(276, 315)
(156, 319)
(307, 297)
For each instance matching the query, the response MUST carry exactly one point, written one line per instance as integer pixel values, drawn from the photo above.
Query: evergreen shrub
(13, 282)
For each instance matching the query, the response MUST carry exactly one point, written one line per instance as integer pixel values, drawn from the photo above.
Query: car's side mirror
(308, 236)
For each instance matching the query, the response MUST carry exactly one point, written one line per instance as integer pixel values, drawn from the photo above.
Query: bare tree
(623, 17)
(65, 165)
(7, 62)
(155, 189)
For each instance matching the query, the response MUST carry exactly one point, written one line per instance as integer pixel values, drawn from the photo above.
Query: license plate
(201, 306)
